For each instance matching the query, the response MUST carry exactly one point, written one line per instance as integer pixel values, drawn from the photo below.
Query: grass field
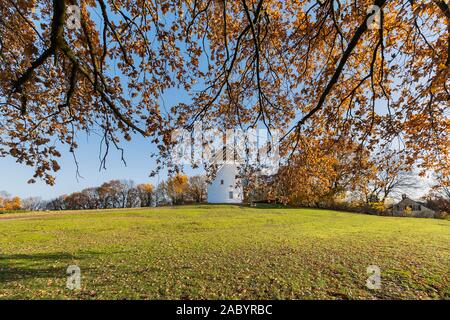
(222, 252)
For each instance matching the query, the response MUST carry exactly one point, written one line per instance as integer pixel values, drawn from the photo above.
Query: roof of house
(409, 200)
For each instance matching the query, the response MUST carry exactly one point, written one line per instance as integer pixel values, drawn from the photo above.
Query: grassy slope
(222, 252)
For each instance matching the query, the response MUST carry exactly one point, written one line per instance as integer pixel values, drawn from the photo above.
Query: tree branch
(351, 46)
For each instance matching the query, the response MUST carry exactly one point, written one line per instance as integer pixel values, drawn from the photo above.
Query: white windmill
(257, 148)
(227, 185)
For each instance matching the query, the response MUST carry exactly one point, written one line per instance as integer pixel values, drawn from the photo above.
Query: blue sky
(14, 176)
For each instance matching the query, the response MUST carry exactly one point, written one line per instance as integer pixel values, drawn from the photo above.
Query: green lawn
(222, 252)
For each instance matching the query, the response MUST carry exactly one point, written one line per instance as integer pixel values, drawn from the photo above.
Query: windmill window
(221, 181)
(230, 194)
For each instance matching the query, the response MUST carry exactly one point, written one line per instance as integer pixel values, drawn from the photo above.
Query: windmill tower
(227, 185)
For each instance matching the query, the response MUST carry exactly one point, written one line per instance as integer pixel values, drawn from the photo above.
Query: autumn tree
(77, 201)
(392, 176)
(351, 169)
(115, 193)
(9, 203)
(56, 203)
(91, 196)
(161, 197)
(442, 186)
(111, 194)
(197, 188)
(146, 194)
(438, 198)
(374, 71)
(14, 203)
(55, 65)
(316, 174)
(177, 188)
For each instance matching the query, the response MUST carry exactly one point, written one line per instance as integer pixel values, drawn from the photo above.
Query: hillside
(194, 252)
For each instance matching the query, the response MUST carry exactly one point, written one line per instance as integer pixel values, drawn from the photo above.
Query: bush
(442, 215)
(13, 211)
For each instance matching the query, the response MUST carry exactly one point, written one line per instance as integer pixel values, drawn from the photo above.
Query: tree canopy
(375, 72)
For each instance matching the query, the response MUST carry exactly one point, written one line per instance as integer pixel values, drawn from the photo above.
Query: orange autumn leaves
(321, 172)
(14, 203)
(177, 188)
(242, 63)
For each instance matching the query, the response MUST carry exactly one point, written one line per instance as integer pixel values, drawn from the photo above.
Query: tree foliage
(14, 203)
(322, 172)
(309, 68)
(126, 194)
(146, 194)
(177, 188)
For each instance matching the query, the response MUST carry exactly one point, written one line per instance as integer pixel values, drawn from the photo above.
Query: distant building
(227, 185)
(409, 207)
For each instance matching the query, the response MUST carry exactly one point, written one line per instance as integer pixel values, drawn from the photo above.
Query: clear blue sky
(14, 176)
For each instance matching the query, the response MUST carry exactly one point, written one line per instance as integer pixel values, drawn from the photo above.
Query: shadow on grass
(259, 205)
(37, 256)
(16, 267)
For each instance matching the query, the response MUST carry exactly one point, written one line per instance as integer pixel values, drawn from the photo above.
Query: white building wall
(224, 183)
